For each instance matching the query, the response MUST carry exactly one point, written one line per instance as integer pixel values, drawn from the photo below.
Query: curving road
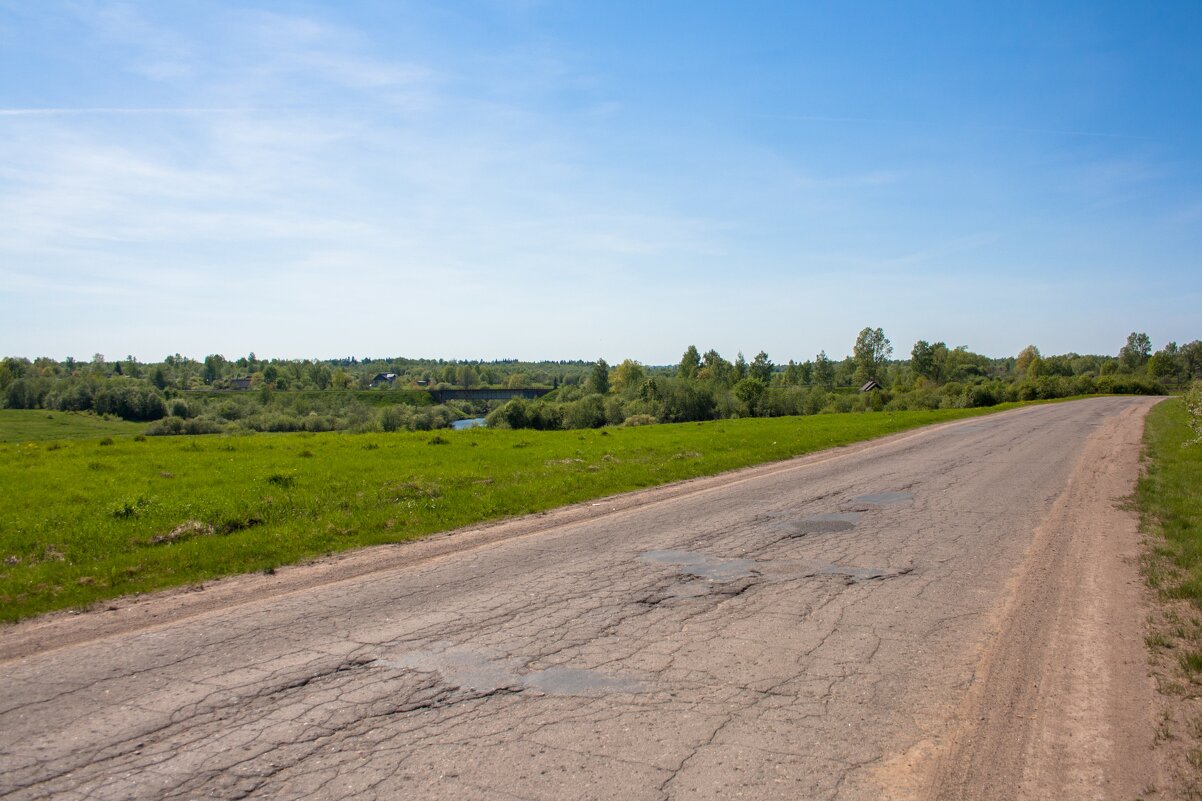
(949, 613)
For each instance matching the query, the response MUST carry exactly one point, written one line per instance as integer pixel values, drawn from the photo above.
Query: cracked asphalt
(815, 629)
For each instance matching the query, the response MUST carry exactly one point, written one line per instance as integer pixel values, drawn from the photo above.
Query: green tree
(761, 368)
(628, 377)
(740, 368)
(214, 367)
(466, 376)
(824, 371)
(320, 375)
(925, 359)
(750, 391)
(1191, 359)
(715, 367)
(1026, 357)
(1166, 362)
(690, 362)
(1136, 352)
(793, 373)
(599, 378)
(870, 353)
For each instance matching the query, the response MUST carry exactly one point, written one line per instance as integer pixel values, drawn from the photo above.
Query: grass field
(20, 425)
(85, 520)
(1170, 505)
(1170, 500)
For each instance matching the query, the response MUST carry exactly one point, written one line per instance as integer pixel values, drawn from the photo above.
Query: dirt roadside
(1063, 705)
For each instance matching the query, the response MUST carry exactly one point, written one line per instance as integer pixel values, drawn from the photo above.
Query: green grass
(88, 520)
(21, 425)
(1170, 501)
(1170, 504)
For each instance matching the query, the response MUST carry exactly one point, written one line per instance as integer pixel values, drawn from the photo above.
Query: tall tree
(214, 367)
(1191, 359)
(761, 368)
(628, 377)
(871, 351)
(1135, 353)
(690, 362)
(599, 377)
(740, 371)
(824, 371)
(926, 359)
(1026, 357)
(715, 367)
(792, 373)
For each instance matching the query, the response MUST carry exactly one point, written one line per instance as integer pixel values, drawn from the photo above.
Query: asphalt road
(923, 616)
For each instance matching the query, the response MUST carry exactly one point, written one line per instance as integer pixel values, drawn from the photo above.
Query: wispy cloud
(156, 51)
(944, 126)
(116, 111)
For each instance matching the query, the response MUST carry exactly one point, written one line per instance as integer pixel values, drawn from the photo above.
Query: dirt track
(949, 614)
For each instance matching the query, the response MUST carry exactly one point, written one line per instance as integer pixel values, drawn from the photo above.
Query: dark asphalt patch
(702, 565)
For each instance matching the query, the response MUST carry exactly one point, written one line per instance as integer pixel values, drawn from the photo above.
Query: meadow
(89, 519)
(21, 425)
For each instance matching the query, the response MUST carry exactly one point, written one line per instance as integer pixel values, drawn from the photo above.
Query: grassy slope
(80, 518)
(21, 425)
(1170, 500)
(1170, 503)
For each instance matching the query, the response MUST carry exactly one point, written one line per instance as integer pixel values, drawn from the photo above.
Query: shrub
(588, 412)
(131, 402)
(392, 418)
(639, 420)
(178, 407)
(166, 427)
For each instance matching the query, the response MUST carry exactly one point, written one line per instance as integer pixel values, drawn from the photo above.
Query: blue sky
(582, 180)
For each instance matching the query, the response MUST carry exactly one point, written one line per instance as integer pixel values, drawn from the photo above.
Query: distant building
(383, 379)
(870, 386)
(240, 383)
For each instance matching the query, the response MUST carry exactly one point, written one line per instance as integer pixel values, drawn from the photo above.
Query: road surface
(944, 614)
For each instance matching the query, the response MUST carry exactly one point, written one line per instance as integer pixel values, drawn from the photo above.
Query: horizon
(485, 179)
(899, 355)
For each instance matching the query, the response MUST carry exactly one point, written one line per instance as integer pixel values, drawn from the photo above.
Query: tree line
(195, 396)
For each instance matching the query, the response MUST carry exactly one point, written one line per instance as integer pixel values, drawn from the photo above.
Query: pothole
(822, 524)
(702, 565)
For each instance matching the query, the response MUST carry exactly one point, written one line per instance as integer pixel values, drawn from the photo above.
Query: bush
(131, 402)
(588, 412)
(170, 426)
(639, 420)
(178, 407)
(1193, 407)
(392, 418)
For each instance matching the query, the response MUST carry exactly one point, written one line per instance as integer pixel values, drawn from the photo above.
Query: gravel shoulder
(1062, 702)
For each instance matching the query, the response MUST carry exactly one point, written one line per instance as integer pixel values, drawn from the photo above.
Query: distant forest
(186, 396)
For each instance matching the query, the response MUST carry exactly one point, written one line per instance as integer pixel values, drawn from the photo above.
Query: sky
(574, 180)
